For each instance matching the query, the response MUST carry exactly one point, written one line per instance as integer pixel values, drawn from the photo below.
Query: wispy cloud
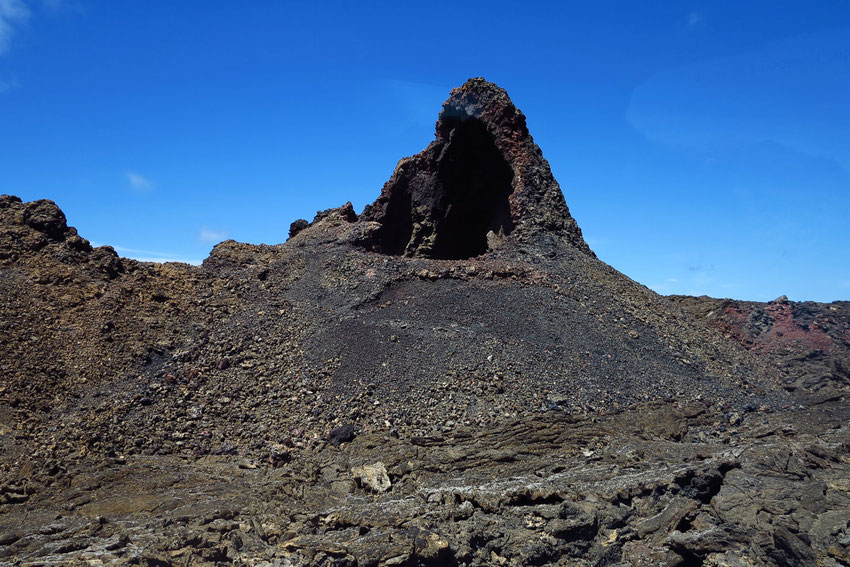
(693, 283)
(212, 236)
(10, 85)
(12, 14)
(694, 18)
(139, 183)
(151, 255)
(845, 283)
(662, 288)
(164, 259)
(414, 101)
(59, 6)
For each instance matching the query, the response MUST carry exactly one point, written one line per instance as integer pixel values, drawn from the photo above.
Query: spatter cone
(482, 181)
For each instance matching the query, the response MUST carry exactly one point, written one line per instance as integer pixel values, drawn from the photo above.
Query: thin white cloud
(694, 18)
(150, 255)
(662, 288)
(12, 14)
(845, 283)
(669, 285)
(694, 282)
(212, 236)
(595, 242)
(750, 98)
(139, 183)
(163, 260)
(414, 100)
(10, 85)
(59, 6)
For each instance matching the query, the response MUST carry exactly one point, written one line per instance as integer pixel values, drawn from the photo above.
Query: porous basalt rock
(481, 181)
(297, 226)
(44, 216)
(30, 227)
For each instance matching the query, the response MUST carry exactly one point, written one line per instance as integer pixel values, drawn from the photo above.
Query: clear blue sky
(703, 146)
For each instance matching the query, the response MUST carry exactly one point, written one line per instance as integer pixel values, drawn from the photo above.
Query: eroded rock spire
(481, 181)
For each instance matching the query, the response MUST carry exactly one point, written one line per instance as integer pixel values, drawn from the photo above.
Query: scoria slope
(455, 353)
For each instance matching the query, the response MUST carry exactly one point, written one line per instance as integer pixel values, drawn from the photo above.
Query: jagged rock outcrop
(808, 342)
(481, 181)
(30, 227)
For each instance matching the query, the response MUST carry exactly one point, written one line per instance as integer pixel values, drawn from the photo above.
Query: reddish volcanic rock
(808, 342)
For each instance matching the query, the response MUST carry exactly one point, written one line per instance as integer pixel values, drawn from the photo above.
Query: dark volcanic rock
(342, 434)
(516, 401)
(481, 181)
(297, 226)
(46, 217)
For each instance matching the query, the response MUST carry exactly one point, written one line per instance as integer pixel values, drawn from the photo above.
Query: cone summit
(482, 181)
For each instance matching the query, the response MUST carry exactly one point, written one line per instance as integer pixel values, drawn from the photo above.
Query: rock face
(450, 378)
(808, 342)
(481, 181)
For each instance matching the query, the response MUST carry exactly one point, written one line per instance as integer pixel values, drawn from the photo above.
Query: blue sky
(702, 146)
